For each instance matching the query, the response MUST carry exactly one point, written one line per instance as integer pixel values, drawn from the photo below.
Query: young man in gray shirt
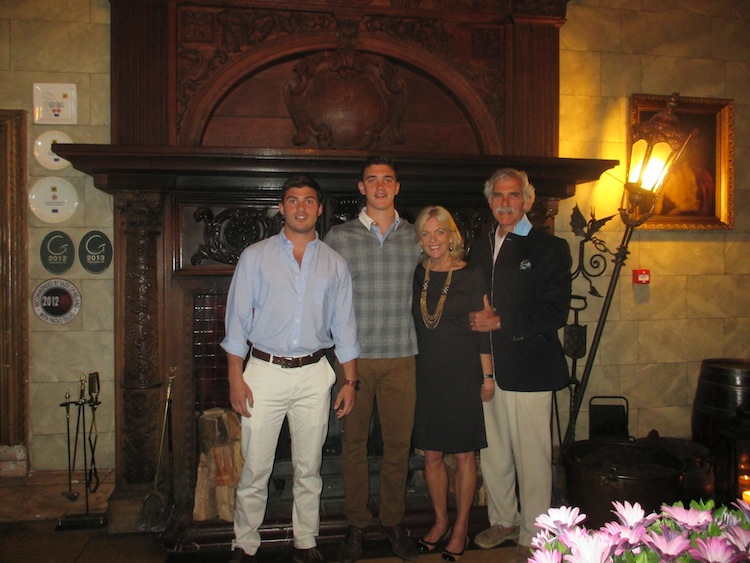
(381, 252)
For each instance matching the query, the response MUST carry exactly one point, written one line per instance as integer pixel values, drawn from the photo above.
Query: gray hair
(529, 194)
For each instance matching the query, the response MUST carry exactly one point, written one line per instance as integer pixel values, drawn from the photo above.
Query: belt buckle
(283, 361)
(298, 362)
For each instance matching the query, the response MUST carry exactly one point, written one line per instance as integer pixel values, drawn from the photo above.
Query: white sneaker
(495, 535)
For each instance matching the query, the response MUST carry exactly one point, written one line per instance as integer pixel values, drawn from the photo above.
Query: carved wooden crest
(345, 100)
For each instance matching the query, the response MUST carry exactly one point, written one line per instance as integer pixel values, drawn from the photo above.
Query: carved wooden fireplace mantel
(164, 200)
(216, 102)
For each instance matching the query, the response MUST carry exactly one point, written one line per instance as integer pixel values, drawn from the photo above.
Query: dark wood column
(141, 380)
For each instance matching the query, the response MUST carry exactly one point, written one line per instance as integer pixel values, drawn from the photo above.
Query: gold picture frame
(699, 191)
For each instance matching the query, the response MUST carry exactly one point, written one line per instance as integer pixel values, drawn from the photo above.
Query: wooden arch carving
(484, 121)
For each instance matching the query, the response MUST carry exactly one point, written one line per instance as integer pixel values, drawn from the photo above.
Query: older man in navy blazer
(528, 271)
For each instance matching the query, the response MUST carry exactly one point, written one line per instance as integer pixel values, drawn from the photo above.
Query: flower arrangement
(677, 534)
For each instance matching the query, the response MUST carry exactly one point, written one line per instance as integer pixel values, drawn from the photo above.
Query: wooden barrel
(723, 387)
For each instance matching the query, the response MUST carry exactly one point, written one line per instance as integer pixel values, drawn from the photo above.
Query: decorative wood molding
(14, 323)
(117, 168)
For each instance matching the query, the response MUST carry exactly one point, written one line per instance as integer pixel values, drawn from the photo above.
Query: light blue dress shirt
(286, 309)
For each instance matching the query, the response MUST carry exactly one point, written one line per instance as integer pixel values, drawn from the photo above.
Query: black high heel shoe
(451, 556)
(424, 546)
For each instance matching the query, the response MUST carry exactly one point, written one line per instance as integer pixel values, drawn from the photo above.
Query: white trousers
(519, 445)
(303, 396)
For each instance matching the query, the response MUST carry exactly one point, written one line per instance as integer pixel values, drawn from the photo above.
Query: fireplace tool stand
(91, 479)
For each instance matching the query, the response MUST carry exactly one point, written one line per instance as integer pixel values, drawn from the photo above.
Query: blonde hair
(446, 220)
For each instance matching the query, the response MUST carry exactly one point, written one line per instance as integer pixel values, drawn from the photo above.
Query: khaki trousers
(393, 383)
(519, 446)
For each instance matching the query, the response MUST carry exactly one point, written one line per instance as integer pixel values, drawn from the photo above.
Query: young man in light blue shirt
(291, 298)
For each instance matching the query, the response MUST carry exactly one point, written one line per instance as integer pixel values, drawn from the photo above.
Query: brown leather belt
(288, 362)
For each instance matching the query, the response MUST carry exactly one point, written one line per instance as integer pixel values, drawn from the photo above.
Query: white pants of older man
(303, 395)
(519, 445)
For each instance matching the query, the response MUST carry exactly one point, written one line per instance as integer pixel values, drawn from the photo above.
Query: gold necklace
(431, 321)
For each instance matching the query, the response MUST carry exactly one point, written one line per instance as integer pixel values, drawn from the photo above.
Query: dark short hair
(378, 159)
(301, 181)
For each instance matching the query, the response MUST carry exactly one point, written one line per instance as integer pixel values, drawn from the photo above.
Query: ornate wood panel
(496, 61)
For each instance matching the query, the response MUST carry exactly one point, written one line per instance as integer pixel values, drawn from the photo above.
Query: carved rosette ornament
(141, 381)
(345, 100)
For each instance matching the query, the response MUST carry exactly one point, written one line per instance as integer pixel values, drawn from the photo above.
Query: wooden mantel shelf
(168, 168)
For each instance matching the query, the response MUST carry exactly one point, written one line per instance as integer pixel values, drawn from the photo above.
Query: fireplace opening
(212, 392)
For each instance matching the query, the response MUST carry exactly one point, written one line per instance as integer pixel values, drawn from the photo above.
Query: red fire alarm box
(641, 276)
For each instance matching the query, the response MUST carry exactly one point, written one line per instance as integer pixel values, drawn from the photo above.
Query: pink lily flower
(594, 548)
(624, 537)
(669, 544)
(716, 550)
(557, 520)
(739, 537)
(743, 506)
(631, 515)
(689, 518)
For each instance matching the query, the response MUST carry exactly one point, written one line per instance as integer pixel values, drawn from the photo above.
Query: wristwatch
(354, 383)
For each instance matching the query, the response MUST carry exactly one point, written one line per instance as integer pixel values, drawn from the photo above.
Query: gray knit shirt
(382, 278)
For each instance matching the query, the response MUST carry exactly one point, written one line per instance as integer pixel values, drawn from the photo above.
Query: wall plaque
(57, 252)
(56, 301)
(95, 252)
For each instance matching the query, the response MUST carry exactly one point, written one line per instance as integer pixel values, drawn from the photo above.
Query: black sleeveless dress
(449, 415)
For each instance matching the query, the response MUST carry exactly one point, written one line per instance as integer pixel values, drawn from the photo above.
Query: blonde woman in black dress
(454, 375)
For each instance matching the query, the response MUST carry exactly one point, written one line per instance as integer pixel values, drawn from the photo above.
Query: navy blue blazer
(530, 289)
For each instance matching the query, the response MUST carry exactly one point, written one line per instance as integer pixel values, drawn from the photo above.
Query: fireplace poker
(170, 446)
(93, 480)
(155, 505)
(70, 495)
(79, 402)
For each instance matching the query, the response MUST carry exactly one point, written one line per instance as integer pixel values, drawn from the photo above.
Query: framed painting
(698, 194)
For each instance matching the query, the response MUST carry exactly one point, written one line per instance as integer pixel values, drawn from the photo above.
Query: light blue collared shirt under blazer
(286, 309)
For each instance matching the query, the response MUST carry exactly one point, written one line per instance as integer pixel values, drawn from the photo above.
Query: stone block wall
(697, 305)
